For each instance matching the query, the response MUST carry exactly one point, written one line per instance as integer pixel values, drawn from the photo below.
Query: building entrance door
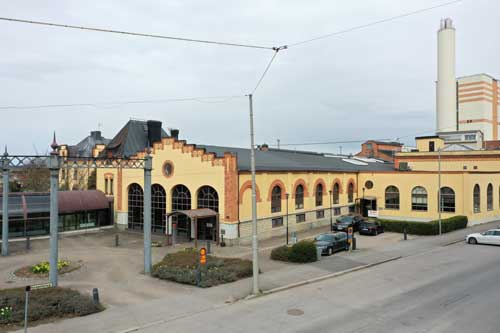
(206, 228)
(368, 204)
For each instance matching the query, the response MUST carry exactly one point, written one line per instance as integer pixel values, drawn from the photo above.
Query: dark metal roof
(389, 143)
(69, 202)
(130, 140)
(288, 160)
(84, 147)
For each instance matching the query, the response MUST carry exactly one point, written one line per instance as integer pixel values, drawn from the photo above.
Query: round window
(168, 169)
(369, 184)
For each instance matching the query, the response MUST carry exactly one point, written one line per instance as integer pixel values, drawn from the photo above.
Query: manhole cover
(295, 312)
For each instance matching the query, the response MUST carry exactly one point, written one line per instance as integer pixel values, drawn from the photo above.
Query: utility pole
(278, 143)
(340, 149)
(439, 189)
(255, 242)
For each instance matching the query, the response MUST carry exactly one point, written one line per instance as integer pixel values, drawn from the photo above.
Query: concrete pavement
(449, 289)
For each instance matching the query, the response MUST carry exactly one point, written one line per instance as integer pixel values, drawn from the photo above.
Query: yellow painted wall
(452, 161)
(265, 180)
(189, 170)
(461, 183)
(423, 144)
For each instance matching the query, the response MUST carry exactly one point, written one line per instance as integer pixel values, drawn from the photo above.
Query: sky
(373, 83)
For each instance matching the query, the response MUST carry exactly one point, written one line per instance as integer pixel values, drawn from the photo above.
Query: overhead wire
(201, 99)
(139, 34)
(362, 26)
(284, 47)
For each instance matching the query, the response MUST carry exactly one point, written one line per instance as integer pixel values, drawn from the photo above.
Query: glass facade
(29, 215)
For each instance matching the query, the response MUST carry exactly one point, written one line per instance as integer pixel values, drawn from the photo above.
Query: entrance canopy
(195, 213)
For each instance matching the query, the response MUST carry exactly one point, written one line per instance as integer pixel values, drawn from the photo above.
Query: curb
(454, 242)
(324, 277)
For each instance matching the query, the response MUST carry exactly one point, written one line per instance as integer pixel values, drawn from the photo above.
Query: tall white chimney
(446, 92)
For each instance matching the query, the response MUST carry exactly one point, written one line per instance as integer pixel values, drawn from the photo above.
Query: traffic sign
(41, 286)
(203, 256)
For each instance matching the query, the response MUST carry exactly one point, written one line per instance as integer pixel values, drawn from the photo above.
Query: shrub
(281, 253)
(181, 267)
(425, 228)
(45, 304)
(303, 251)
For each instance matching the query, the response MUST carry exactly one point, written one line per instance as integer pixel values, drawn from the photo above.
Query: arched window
(135, 207)
(319, 195)
(489, 197)
(419, 199)
(447, 200)
(336, 193)
(158, 208)
(391, 197)
(276, 199)
(299, 197)
(350, 192)
(208, 198)
(477, 199)
(181, 200)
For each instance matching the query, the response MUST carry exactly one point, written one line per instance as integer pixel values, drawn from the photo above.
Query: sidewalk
(163, 300)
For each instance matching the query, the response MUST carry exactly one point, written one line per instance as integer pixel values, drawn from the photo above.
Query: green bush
(425, 228)
(44, 266)
(303, 251)
(281, 253)
(181, 267)
(45, 304)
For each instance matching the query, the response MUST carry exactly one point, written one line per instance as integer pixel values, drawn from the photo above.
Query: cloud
(370, 83)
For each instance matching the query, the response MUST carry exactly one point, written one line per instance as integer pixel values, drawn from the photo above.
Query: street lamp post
(439, 189)
(331, 210)
(287, 195)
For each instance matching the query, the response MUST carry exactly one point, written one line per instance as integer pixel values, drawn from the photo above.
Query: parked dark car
(330, 243)
(345, 221)
(370, 228)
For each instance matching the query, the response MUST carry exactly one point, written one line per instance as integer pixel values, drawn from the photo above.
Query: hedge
(425, 228)
(301, 252)
(44, 305)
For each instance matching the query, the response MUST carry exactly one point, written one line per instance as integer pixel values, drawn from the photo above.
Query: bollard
(27, 290)
(222, 243)
(95, 296)
(208, 246)
(117, 240)
(353, 243)
(405, 233)
(28, 244)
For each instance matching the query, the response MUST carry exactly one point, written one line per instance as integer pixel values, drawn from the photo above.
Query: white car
(489, 237)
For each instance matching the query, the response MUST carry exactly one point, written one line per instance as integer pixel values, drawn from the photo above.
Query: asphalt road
(449, 289)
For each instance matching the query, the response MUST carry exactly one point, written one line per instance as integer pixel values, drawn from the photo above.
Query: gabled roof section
(130, 140)
(84, 148)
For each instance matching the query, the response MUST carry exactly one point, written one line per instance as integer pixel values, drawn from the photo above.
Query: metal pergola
(54, 163)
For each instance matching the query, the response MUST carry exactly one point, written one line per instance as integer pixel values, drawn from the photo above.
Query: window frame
(394, 196)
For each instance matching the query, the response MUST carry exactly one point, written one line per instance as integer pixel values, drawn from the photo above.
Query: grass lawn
(181, 267)
(45, 305)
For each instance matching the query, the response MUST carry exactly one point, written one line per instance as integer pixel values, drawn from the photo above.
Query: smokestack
(174, 133)
(154, 131)
(446, 90)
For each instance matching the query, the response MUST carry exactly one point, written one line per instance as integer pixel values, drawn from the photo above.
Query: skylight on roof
(353, 161)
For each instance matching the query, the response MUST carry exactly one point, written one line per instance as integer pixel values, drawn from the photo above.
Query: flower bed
(41, 270)
(44, 305)
(182, 266)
